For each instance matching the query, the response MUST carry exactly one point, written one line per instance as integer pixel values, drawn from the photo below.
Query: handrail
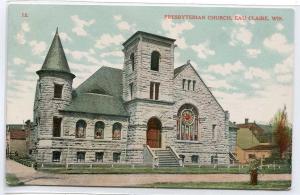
(154, 157)
(176, 155)
(151, 152)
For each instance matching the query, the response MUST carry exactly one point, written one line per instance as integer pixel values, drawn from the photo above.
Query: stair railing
(176, 155)
(150, 157)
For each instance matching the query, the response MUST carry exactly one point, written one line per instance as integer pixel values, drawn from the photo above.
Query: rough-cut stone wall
(69, 145)
(140, 113)
(166, 69)
(210, 113)
(46, 106)
(232, 139)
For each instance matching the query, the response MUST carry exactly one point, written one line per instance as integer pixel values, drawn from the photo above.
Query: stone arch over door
(154, 133)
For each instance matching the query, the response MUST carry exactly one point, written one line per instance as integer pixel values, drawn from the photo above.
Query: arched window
(132, 61)
(80, 129)
(116, 131)
(155, 57)
(99, 130)
(187, 123)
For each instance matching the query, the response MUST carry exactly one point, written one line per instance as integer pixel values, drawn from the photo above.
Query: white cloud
(20, 37)
(253, 53)
(117, 17)
(254, 72)
(124, 25)
(18, 61)
(107, 40)
(203, 50)
(80, 24)
(25, 26)
(214, 83)
(64, 36)
(284, 70)
(260, 106)
(279, 26)
(286, 78)
(112, 53)
(240, 35)
(219, 84)
(32, 68)
(255, 85)
(175, 30)
(227, 68)
(286, 66)
(279, 43)
(37, 47)
(78, 55)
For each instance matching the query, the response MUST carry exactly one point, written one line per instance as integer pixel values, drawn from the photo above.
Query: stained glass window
(187, 123)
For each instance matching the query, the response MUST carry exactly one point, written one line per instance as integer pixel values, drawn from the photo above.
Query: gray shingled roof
(179, 69)
(97, 104)
(101, 93)
(56, 59)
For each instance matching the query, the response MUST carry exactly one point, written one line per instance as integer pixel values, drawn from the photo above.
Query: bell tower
(148, 67)
(148, 74)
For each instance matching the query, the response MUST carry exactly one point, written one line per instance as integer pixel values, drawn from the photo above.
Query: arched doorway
(154, 133)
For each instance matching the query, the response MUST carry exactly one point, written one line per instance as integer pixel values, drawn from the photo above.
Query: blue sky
(247, 64)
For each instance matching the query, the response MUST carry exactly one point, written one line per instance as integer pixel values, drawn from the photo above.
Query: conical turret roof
(56, 59)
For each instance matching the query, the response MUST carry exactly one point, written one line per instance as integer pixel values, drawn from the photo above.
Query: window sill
(188, 141)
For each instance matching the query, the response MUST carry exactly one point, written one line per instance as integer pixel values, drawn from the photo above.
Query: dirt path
(32, 177)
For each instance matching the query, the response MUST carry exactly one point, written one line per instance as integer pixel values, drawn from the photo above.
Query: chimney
(246, 121)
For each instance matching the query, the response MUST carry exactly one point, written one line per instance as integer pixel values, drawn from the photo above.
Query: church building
(146, 113)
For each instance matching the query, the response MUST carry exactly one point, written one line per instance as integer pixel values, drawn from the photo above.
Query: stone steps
(166, 158)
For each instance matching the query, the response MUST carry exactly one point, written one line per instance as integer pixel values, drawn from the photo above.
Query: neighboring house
(249, 147)
(16, 139)
(147, 112)
(264, 133)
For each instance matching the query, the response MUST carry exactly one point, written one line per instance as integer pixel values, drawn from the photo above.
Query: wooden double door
(154, 133)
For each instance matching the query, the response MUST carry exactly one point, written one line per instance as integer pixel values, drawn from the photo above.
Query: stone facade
(210, 145)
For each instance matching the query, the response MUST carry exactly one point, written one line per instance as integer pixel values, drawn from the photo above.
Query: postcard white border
(100, 190)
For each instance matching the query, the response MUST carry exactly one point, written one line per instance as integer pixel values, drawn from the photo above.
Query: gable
(188, 69)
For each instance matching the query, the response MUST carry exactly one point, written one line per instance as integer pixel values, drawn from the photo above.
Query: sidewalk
(31, 177)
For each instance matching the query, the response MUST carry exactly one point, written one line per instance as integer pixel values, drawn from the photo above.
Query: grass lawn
(149, 170)
(12, 180)
(264, 185)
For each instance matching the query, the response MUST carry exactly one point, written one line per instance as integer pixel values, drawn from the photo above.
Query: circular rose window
(188, 117)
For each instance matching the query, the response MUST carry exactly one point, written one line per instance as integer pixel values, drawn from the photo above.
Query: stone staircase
(166, 158)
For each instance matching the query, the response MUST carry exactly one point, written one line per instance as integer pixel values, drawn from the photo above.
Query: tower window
(183, 83)
(56, 126)
(58, 90)
(131, 90)
(189, 83)
(132, 61)
(194, 84)
(56, 156)
(154, 90)
(155, 57)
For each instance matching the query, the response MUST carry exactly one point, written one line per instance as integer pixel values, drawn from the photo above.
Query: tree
(282, 131)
